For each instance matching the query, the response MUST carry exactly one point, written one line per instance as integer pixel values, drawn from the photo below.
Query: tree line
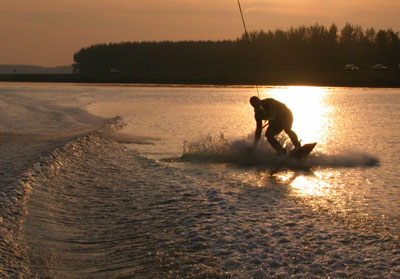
(304, 48)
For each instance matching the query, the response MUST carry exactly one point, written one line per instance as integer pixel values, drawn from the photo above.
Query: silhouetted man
(279, 118)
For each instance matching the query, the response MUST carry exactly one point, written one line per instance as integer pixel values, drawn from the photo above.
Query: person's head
(255, 102)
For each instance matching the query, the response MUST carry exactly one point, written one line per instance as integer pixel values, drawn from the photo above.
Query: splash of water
(217, 149)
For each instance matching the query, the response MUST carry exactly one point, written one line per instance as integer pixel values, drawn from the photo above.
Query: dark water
(87, 194)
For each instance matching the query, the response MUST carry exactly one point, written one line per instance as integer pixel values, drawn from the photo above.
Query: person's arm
(257, 134)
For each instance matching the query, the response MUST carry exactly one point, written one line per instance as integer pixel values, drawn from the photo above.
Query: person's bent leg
(293, 137)
(270, 134)
(286, 122)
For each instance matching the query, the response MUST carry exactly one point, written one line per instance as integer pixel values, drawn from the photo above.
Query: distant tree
(387, 47)
(304, 48)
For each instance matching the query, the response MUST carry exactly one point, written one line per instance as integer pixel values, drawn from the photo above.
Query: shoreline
(380, 79)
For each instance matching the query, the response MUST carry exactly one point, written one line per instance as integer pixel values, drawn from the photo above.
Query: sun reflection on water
(309, 109)
(308, 185)
(314, 185)
(312, 118)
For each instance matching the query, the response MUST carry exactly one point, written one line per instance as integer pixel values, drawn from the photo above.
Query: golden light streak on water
(312, 185)
(308, 185)
(312, 118)
(309, 109)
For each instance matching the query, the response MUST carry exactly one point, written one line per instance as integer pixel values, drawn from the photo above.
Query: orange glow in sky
(49, 32)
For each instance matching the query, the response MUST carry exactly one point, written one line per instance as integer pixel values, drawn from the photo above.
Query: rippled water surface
(355, 165)
(121, 181)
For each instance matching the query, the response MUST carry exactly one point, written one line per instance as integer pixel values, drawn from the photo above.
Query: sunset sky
(49, 32)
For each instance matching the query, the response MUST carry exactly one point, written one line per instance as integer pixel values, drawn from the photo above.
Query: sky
(49, 32)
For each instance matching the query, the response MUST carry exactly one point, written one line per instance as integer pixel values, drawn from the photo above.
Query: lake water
(123, 181)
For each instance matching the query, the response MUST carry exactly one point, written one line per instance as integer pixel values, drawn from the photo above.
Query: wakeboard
(303, 151)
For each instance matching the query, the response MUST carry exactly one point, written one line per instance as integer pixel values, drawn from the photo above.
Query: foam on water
(21, 155)
(219, 150)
